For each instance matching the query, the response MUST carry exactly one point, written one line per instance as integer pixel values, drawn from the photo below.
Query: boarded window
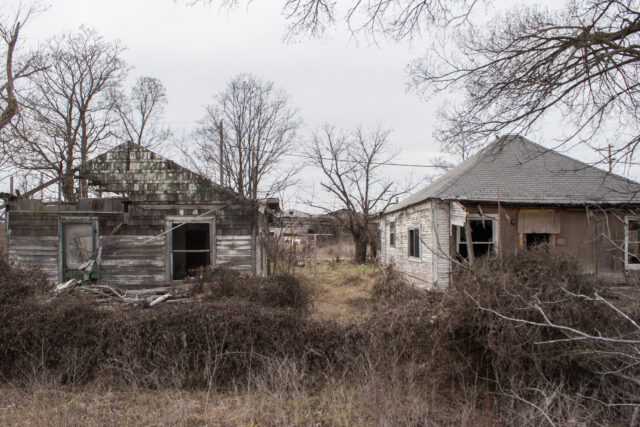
(414, 243)
(190, 248)
(538, 222)
(392, 233)
(633, 242)
(78, 245)
(482, 238)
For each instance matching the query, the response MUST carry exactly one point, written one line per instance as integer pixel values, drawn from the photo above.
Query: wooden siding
(123, 262)
(235, 252)
(36, 251)
(132, 261)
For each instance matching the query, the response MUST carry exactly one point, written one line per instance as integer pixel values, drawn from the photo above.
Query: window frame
(410, 243)
(627, 265)
(62, 257)
(392, 234)
(495, 234)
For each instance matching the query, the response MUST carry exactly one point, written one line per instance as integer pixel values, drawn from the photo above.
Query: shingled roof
(516, 170)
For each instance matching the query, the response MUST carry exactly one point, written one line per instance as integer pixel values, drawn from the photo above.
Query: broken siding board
(234, 251)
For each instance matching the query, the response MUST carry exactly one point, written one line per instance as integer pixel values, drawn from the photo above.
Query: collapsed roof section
(144, 176)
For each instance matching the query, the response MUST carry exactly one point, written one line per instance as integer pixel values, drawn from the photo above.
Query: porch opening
(190, 248)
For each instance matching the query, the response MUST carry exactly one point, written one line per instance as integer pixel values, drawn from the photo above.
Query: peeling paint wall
(432, 268)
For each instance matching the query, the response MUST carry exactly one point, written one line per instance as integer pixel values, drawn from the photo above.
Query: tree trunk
(68, 185)
(361, 249)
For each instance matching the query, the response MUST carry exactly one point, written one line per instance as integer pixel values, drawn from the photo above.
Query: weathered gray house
(511, 195)
(155, 222)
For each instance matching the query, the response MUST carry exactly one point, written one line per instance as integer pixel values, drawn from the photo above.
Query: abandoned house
(159, 222)
(512, 195)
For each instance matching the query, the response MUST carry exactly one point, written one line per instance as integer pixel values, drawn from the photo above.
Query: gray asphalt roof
(516, 170)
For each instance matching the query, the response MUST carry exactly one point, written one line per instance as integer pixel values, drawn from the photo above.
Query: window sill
(414, 259)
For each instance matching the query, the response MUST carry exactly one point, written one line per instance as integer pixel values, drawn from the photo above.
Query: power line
(306, 156)
(410, 165)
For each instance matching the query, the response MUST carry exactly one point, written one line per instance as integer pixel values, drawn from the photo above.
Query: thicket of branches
(574, 66)
(70, 105)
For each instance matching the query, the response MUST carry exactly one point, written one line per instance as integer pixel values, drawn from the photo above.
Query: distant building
(511, 195)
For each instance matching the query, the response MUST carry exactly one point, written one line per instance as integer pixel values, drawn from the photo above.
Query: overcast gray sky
(196, 50)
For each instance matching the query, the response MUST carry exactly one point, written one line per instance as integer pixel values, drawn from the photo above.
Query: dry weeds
(342, 291)
(423, 358)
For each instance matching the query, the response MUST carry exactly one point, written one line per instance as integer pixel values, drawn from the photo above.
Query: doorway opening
(190, 248)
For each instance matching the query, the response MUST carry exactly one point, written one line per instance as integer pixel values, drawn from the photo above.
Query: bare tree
(246, 133)
(577, 63)
(139, 113)
(66, 114)
(13, 68)
(397, 19)
(580, 63)
(352, 163)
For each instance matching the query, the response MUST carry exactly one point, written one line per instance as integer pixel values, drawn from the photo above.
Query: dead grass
(342, 291)
(368, 403)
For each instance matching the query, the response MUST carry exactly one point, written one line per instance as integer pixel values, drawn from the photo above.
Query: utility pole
(221, 153)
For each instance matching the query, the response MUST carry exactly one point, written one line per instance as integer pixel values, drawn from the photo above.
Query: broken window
(190, 248)
(482, 237)
(414, 242)
(78, 245)
(535, 239)
(392, 233)
(632, 246)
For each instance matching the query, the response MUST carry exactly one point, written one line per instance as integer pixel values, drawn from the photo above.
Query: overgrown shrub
(532, 324)
(283, 291)
(18, 283)
(499, 331)
(391, 288)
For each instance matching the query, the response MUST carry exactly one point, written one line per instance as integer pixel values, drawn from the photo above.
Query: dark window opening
(414, 243)
(392, 234)
(535, 239)
(482, 238)
(191, 248)
(633, 241)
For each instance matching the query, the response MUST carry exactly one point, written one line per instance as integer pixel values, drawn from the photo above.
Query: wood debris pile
(135, 297)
